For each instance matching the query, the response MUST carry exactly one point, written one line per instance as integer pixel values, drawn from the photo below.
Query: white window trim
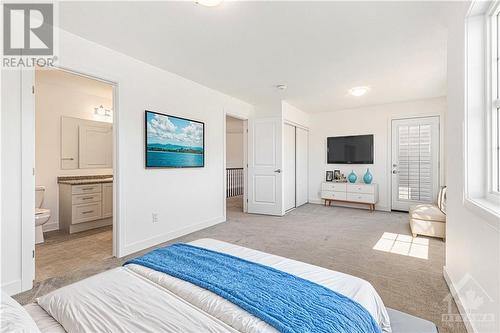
(493, 98)
(479, 194)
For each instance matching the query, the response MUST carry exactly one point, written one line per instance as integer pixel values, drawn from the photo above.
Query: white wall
(171, 193)
(234, 143)
(61, 94)
(374, 120)
(294, 115)
(472, 240)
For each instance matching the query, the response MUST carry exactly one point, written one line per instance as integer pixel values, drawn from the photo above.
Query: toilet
(42, 215)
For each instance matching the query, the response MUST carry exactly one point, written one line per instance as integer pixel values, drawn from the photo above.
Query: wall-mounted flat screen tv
(174, 142)
(356, 149)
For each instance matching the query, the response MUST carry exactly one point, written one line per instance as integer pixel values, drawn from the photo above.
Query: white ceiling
(318, 49)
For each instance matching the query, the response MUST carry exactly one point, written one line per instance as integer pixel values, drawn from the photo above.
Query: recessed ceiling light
(209, 3)
(359, 91)
(281, 86)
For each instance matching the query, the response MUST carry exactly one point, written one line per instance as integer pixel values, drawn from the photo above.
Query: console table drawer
(334, 195)
(86, 212)
(84, 189)
(334, 187)
(360, 197)
(86, 198)
(361, 188)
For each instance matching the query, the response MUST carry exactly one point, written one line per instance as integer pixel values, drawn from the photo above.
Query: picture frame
(337, 175)
(182, 147)
(329, 176)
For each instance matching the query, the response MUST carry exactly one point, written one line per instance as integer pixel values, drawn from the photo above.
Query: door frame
(243, 118)
(441, 157)
(285, 209)
(28, 170)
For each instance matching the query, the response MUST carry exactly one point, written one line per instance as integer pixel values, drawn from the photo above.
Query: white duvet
(138, 299)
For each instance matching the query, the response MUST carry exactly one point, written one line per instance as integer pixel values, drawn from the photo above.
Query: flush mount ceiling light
(281, 86)
(359, 91)
(209, 3)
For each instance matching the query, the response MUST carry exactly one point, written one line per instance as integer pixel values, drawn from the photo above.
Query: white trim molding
(156, 240)
(480, 83)
(458, 301)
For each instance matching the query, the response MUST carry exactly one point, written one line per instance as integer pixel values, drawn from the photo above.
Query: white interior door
(264, 166)
(289, 167)
(415, 161)
(301, 169)
(95, 146)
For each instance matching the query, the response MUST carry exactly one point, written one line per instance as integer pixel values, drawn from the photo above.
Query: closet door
(289, 167)
(301, 169)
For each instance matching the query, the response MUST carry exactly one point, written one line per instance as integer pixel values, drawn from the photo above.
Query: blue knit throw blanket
(286, 302)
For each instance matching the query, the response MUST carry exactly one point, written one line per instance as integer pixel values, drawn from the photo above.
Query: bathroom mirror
(86, 144)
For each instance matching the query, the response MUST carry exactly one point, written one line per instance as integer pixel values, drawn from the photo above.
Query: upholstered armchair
(430, 219)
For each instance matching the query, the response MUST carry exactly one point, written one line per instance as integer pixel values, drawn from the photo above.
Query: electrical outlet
(155, 217)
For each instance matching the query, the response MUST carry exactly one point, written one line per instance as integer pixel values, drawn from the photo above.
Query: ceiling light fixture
(209, 3)
(281, 86)
(359, 91)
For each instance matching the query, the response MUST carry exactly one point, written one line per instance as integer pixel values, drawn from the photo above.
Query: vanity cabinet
(86, 206)
(107, 200)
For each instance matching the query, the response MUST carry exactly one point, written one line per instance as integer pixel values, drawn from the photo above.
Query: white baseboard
(458, 301)
(51, 226)
(315, 201)
(144, 244)
(12, 288)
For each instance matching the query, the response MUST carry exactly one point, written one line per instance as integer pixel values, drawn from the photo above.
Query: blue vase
(367, 178)
(352, 177)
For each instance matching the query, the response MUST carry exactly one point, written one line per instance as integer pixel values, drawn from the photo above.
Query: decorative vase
(352, 177)
(367, 178)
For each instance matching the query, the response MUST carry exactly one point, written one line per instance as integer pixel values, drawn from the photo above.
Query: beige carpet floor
(373, 246)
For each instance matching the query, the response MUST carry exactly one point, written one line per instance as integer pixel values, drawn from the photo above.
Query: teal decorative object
(367, 178)
(352, 177)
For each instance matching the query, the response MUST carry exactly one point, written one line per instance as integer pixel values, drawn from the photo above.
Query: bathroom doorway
(74, 172)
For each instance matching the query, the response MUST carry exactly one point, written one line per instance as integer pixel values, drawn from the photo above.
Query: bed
(136, 298)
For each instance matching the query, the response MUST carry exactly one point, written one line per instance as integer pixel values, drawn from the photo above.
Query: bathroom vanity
(85, 202)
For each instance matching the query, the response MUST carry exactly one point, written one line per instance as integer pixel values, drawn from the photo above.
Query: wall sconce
(101, 111)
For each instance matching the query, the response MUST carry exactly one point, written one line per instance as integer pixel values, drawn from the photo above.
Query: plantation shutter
(415, 178)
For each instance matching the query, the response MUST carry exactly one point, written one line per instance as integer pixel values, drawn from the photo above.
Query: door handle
(277, 170)
(394, 171)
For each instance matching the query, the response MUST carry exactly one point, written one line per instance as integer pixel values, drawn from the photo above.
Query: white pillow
(14, 318)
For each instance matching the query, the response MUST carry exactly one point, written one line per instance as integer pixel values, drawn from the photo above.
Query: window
(493, 118)
(482, 118)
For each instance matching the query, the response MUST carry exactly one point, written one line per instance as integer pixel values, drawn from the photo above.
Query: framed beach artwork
(173, 142)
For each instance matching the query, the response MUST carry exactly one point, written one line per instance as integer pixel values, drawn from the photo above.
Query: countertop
(84, 180)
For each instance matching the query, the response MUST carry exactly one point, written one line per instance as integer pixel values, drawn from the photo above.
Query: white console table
(358, 193)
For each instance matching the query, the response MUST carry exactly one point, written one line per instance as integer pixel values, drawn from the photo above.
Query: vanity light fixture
(101, 111)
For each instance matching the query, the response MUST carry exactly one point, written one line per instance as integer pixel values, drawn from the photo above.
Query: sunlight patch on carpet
(404, 245)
